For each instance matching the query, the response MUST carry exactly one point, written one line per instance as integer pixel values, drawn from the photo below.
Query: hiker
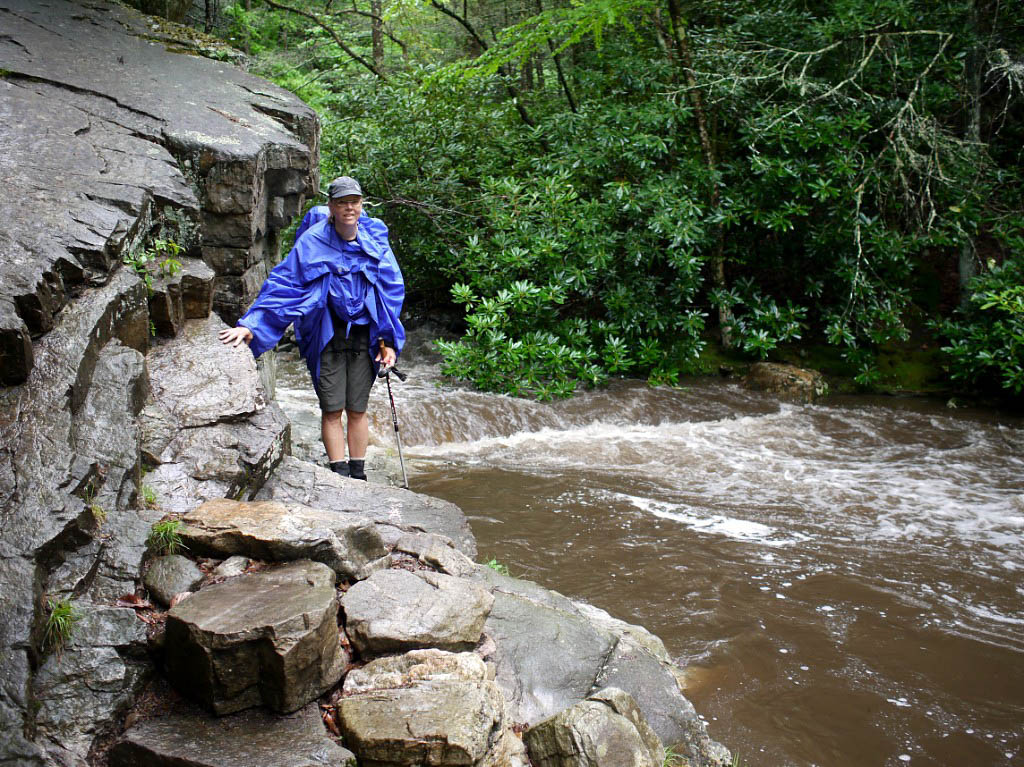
(342, 289)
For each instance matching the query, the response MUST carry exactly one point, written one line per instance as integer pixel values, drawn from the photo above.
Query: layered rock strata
(108, 138)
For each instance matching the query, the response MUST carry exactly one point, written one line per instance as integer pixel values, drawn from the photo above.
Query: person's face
(346, 209)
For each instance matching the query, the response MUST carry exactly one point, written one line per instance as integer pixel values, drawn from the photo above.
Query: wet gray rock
(115, 142)
(427, 707)
(268, 530)
(118, 136)
(253, 737)
(170, 575)
(606, 730)
(269, 637)
(185, 294)
(396, 511)
(437, 551)
(231, 567)
(211, 436)
(399, 610)
(788, 381)
(546, 659)
(51, 460)
(200, 381)
(95, 675)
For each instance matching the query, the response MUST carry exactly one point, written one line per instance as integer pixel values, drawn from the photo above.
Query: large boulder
(787, 381)
(254, 737)
(399, 610)
(269, 637)
(427, 707)
(551, 652)
(118, 135)
(210, 436)
(546, 659)
(396, 511)
(606, 730)
(267, 530)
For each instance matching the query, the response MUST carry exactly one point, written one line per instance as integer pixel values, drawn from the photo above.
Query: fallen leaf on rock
(328, 715)
(178, 598)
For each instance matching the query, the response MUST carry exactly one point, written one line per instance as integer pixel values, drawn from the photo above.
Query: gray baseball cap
(343, 186)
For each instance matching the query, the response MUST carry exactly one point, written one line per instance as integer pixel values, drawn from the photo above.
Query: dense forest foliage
(605, 187)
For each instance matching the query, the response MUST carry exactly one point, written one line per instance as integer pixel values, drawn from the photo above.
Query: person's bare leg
(358, 434)
(333, 434)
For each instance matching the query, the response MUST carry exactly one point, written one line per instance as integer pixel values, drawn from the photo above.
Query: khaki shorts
(346, 371)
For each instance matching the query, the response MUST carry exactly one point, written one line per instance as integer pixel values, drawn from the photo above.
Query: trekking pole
(385, 373)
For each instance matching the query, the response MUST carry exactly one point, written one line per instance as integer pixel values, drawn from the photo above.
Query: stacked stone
(420, 657)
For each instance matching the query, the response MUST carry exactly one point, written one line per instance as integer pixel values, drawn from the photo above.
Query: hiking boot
(356, 468)
(339, 467)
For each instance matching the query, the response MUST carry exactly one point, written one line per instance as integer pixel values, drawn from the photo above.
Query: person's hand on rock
(235, 336)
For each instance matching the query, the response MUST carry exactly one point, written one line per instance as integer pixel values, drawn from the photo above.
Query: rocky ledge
(419, 657)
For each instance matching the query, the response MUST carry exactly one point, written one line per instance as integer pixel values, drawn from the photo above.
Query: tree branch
(329, 30)
(512, 90)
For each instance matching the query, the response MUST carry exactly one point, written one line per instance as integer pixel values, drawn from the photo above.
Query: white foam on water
(728, 527)
(796, 474)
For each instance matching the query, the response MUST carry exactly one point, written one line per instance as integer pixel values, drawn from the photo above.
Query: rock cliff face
(111, 137)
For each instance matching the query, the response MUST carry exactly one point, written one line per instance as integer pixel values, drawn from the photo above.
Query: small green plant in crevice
(672, 759)
(60, 624)
(99, 514)
(497, 566)
(148, 495)
(164, 538)
(161, 258)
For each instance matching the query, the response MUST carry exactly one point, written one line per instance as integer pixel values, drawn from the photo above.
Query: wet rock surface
(110, 140)
(399, 610)
(98, 672)
(117, 135)
(606, 730)
(428, 707)
(396, 511)
(267, 530)
(788, 381)
(249, 738)
(171, 575)
(210, 436)
(266, 638)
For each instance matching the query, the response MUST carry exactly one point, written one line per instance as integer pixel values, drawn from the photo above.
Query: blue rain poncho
(361, 285)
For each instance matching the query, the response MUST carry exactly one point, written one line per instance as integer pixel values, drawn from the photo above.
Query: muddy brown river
(843, 581)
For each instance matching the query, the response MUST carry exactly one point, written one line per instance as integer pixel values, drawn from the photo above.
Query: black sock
(339, 467)
(356, 468)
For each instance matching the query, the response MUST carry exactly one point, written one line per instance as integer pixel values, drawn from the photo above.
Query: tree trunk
(377, 30)
(968, 266)
(685, 56)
